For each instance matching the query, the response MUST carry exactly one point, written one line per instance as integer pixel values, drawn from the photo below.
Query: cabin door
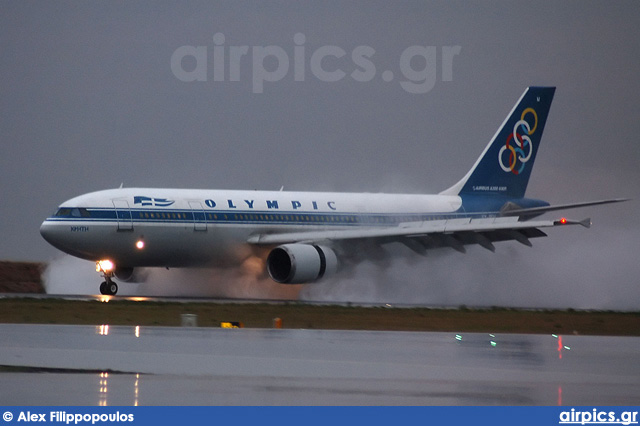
(123, 215)
(199, 216)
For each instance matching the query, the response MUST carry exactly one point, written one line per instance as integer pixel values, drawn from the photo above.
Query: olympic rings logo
(519, 144)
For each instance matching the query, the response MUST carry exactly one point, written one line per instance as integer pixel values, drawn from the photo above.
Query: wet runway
(102, 365)
(226, 301)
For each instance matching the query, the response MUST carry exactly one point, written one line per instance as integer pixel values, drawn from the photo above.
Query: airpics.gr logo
(148, 201)
(522, 148)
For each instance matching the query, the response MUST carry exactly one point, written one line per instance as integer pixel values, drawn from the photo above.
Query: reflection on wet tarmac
(123, 382)
(203, 366)
(103, 390)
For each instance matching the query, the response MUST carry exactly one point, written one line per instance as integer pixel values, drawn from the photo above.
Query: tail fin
(504, 167)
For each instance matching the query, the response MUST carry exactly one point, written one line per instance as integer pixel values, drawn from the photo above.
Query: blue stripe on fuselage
(267, 217)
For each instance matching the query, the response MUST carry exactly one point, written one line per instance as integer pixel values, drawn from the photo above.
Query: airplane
(307, 236)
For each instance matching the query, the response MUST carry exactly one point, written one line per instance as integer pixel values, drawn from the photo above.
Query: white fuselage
(187, 227)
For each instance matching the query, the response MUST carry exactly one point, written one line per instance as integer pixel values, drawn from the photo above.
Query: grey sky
(89, 101)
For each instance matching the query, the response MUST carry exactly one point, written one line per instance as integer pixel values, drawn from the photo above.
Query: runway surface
(102, 365)
(218, 300)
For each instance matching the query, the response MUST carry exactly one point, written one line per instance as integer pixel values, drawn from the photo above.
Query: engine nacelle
(129, 274)
(301, 263)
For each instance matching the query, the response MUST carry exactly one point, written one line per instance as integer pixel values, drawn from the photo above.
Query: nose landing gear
(108, 286)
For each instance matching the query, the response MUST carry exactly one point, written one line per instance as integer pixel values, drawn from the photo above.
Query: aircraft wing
(420, 236)
(536, 211)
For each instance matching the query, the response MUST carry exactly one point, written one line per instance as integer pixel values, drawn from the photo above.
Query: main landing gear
(106, 268)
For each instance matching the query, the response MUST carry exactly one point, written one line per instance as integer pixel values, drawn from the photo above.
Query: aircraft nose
(47, 232)
(55, 234)
(58, 236)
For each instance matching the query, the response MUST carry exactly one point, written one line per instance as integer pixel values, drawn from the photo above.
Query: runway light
(140, 244)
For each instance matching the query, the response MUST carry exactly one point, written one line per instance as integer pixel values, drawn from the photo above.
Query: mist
(547, 275)
(70, 275)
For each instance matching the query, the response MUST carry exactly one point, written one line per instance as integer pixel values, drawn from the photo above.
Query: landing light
(140, 244)
(104, 266)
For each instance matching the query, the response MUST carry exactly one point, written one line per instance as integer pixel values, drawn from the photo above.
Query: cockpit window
(75, 212)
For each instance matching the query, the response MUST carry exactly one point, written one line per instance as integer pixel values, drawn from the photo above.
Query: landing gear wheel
(108, 288)
(112, 288)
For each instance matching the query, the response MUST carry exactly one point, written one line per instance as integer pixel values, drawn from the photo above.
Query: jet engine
(301, 263)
